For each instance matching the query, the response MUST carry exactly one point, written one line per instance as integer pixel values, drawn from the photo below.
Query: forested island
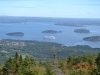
(81, 31)
(15, 34)
(92, 38)
(51, 31)
(70, 24)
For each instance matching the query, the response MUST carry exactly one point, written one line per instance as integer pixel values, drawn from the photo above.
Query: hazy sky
(51, 8)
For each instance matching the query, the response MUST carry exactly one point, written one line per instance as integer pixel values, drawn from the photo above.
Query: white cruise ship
(49, 37)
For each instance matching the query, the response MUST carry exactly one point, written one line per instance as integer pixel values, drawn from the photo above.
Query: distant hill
(56, 21)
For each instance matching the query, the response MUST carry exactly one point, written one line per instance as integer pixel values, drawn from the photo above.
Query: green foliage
(76, 64)
(79, 72)
(0, 69)
(49, 70)
(73, 65)
(79, 65)
(20, 66)
(41, 50)
(98, 64)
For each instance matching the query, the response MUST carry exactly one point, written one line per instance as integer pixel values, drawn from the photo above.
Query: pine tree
(98, 64)
(49, 70)
(16, 57)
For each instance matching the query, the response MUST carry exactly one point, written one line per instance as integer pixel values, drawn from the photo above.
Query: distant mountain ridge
(72, 21)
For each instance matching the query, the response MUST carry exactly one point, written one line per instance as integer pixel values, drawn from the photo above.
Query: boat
(49, 37)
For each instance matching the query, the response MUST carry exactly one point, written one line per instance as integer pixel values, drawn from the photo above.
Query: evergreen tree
(16, 57)
(49, 70)
(0, 69)
(98, 64)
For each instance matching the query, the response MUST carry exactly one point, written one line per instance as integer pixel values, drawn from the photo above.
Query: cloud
(13, 0)
(16, 7)
(94, 0)
(89, 4)
(22, 7)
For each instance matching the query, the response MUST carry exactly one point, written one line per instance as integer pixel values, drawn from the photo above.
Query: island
(51, 31)
(81, 30)
(15, 34)
(70, 24)
(92, 38)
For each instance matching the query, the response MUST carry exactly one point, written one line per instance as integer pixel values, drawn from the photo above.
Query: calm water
(33, 31)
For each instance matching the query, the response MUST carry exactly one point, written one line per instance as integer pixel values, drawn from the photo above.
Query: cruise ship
(49, 37)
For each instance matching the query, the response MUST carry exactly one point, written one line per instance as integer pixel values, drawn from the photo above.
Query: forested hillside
(25, 66)
(36, 58)
(79, 65)
(73, 65)
(41, 50)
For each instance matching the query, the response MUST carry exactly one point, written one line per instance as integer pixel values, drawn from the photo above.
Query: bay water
(33, 31)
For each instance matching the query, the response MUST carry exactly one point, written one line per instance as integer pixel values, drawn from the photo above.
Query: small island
(92, 38)
(15, 34)
(51, 31)
(81, 31)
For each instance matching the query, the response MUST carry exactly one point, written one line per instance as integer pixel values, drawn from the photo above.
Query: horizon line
(47, 17)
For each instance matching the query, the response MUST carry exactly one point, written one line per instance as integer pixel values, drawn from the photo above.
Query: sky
(51, 8)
